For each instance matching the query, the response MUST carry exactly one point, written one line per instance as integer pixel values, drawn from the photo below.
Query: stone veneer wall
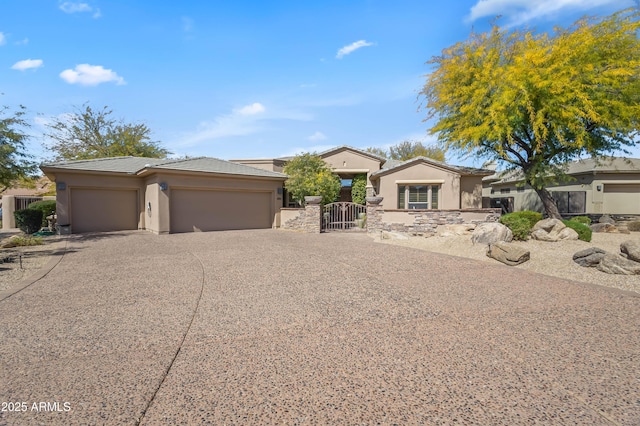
(423, 221)
(308, 219)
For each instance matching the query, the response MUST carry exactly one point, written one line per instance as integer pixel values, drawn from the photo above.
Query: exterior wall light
(163, 186)
(598, 188)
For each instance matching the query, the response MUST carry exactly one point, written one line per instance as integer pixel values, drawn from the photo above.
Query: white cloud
(23, 41)
(90, 75)
(253, 109)
(77, 7)
(352, 47)
(27, 64)
(521, 11)
(317, 136)
(3, 39)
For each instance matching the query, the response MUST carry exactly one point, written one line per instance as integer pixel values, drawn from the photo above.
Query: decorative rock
(552, 230)
(605, 218)
(631, 249)
(604, 227)
(393, 236)
(458, 229)
(616, 264)
(589, 257)
(509, 254)
(489, 233)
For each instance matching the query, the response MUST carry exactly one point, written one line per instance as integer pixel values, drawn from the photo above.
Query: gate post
(313, 215)
(374, 214)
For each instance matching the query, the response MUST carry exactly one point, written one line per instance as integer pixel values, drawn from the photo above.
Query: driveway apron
(263, 327)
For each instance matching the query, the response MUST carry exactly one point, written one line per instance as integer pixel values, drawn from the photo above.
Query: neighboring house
(610, 186)
(19, 197)
(204, 194)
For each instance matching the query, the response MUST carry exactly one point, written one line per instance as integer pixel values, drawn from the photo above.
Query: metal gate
(344, 216)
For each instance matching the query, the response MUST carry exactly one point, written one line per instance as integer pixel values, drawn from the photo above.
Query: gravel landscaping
(548, 258)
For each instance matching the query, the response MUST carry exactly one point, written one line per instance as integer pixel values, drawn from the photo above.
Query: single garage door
(204, 210)
(621, 198)
(100, 210)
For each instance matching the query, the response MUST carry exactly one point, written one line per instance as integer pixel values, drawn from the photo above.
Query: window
(520, 189)
(505, 190)
(418, 196)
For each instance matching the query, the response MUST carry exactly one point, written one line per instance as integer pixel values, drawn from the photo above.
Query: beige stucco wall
(470, 192)
(272, 165)
(96, 181)
(347, 161)
(421, 172)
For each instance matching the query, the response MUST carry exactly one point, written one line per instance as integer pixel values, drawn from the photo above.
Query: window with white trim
(418, 196)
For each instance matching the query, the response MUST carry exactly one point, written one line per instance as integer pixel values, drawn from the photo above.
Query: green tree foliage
(359, 189)
(15, 163)
(90, 133)
(47, 207)
(309, 175)
(407, 150)
(535, 102)
(28, 220)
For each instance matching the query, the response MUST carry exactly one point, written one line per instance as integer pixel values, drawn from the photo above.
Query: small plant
(634, 226)
(520, 226)
(48, 207)
(26, 240)
(582, 219)
(584, 232)
(28, 220)
(521, 223)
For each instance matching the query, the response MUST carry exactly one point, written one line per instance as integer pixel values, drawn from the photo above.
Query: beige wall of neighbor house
(421, 174)
(272, 165)
(470, 192)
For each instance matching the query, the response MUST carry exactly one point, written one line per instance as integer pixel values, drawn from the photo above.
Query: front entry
(343, 216)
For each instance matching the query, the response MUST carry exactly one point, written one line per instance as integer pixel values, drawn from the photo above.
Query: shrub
(48, 207)
(28, 220)
(22, 240)
(582, 219)
(519, 225)
(584, 232)
(359, 189)
(634, 226)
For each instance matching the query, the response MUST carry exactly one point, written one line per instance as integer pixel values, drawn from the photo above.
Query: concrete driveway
(264, 327)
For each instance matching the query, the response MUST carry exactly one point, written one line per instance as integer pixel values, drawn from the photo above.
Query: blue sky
(248, 79)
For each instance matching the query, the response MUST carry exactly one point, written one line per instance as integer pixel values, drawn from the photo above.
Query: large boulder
(552, 230)
(604, 227)
(589, 257)
(489, 233)
(507, 253)
(632, 249)
(458, 229)
(616, 264)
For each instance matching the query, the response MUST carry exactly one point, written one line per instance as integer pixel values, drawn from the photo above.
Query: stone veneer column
(374, 214)
(313, 215)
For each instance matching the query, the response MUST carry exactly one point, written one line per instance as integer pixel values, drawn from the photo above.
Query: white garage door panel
(100, 210)
(621, 198)
(193, 210)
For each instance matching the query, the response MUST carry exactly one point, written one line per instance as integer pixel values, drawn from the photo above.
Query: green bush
(634, 226)
(584, 232)
(519, 225)
(48, 207)
(28, 220)
(359, 189)
(582, 219)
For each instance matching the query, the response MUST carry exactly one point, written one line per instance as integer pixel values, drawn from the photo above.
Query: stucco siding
(348, 161)
(449, 181)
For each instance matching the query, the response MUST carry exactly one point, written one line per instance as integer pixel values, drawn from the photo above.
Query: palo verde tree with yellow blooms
(533, 102)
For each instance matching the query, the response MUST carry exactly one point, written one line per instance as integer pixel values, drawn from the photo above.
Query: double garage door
(207, 210)
(102, 210)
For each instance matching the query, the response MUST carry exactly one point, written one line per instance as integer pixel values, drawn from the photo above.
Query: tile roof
(338, 148)
(582, 166)
(215, 165)
(134, 165)
(463, 170)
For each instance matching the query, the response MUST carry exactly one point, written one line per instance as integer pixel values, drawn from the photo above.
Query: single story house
(206, 194)
(608, 186)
